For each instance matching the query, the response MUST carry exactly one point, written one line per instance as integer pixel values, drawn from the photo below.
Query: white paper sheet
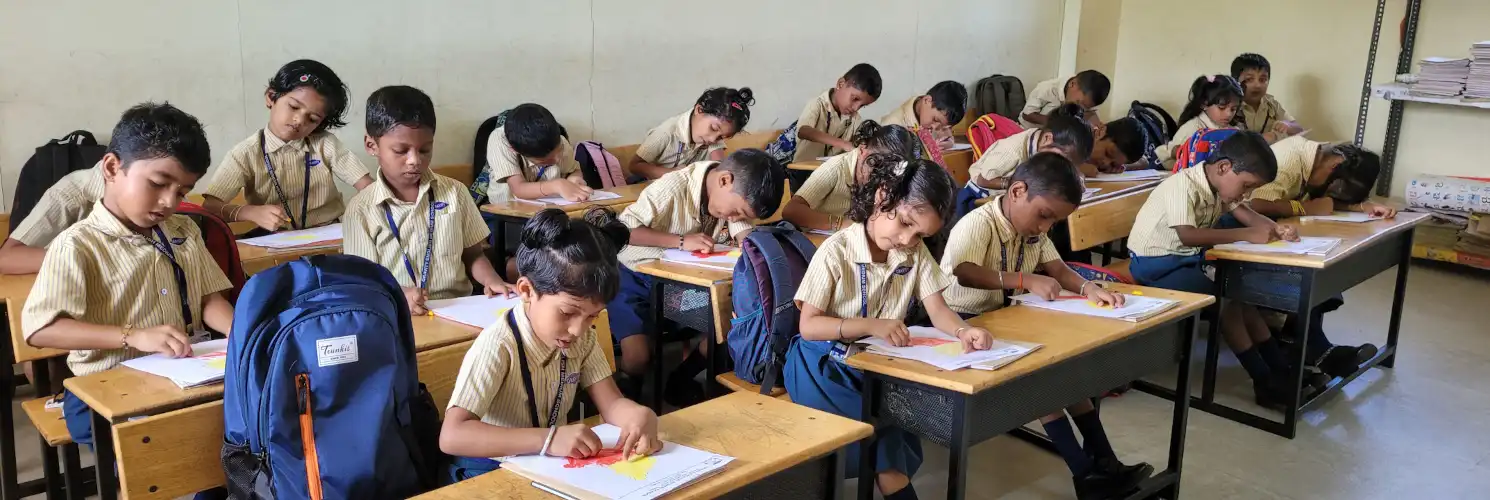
(305, 238)
(1129, 176)
(596, 195)
(608, 476)
(1090, 192)
(1306, 245)
(205, 366)
(724, 257)
(959, 146)
(477, 310)
(824, 158)
(935, 348)
(1135, 307)
(1343, 217)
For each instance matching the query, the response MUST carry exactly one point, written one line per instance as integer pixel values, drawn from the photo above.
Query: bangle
(1000, 274)
(231, 212)
(959, 331)
(548, 440)
(1021, 281)
(1298, 207)
(124, 336)
(1082, 288)
(841, 321)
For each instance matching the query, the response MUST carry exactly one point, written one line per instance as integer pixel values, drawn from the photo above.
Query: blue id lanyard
(280, 190)
(421, 279)
(163, 245)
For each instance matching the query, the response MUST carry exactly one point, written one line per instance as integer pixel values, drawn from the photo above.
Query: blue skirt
(815, 380)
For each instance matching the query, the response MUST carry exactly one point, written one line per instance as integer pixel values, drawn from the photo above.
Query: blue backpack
(1199, 147)
(784, 148)
(322, 396)
(772, 262)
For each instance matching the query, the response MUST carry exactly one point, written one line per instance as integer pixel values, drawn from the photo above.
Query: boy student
(529, 158)
(1087, 89)
(414, 222)
(937, 110)
(1177, 224)
(65, 203)
(1260, 111)
(692, 208)
(829, 121)
(85, 299)
(1000, 246)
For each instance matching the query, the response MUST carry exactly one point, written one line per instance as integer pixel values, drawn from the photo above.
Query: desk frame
(712, 359)
(69, 482)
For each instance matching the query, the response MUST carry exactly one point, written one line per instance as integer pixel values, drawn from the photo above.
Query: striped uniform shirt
(1166, 152)
(1045, 98)
(671, 144)
(97, 270)
(504, 162)
(1185, 199)
(1265, 116)
(819, 114)
(243, 169)
(64, 204)
(983, 237)
(905, 115)
(490, 382)
(1295, 162)
(828, 189)
(367, 234)
(1005, 155)
(673, 204)
(833, 278)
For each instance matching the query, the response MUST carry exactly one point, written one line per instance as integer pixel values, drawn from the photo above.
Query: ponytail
(1210, 90)
(577, 257)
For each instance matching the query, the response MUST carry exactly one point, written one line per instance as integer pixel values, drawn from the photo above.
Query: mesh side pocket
(242, 469)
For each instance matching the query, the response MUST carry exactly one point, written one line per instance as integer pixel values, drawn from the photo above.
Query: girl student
(696, 135)
(860, 283)
(824, 199)
(1065, 131)
(519, 378)
(287, 170)
(1213, 104)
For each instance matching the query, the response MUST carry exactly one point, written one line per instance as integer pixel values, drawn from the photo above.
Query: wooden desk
(1082, 357)
(517, 213)
(1296, 284)
(781, 450)
(13, 350)
(1109, 215)
(257, 259)
(805, 166)
(719, 284)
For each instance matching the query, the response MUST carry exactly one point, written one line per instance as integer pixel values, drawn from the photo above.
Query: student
(1064, 132)
(64, 204)
(515, 386)
(828, 122)
(696, 135)
(414, 222)
(692, 208)
(1087, 89)
(1260, 111)
(1177, 224)
(1123, 142)
(1213, 104)
(860, 284)
(1001, 246)
(937, 110)
(825, 197)
(287, 169)
(87, 296)
(528, 157)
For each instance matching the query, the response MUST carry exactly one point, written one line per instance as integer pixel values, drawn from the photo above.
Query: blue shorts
(79, 419)
(816, 380)
(1174, 272)
(631, 309)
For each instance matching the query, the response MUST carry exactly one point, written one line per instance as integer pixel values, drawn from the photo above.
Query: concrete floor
(1412, 432)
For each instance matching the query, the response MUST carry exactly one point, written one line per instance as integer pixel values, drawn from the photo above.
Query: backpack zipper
(308, 436)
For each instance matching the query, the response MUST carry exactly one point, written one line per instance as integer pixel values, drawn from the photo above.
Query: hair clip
(304, 78)
(900, 167)
(736, 105)
(1210, 78)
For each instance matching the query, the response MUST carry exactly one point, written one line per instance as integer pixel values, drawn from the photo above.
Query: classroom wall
(1096, 46)
(608, 70)
(1318, 50)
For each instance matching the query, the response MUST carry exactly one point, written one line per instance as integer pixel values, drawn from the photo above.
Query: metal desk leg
(870, 402)
(9, 490)
(1301, 333)
(835, 474)
(1399, 294)
(957, 450)
(655, 336)
(103, 458)
(499, 246)
(1190, 327)
(72, 472)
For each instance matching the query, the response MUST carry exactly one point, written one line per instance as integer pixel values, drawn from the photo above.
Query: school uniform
(1006, 155)
(829, 188)
(671, 143)
(1166, 152)
(420, 242)
(1266, 115)
(1296, 157)
(97, 271)
(819, 114)
(671, 204)
(1044, 99)
(64, 204)
(1159, 258)
(503, 162)
(298, 175)
(905, 115)
(490, 382)
(985, 237)
(845, 282)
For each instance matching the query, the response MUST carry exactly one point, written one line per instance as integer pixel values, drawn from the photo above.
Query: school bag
(988, 129)
(322, 396)
(772, 261)
(1097, 273)
(1197, 149)
(600, 168)
(1000, 94)
(480, 175)
(220, 242)
(784, 148)
(50, 163)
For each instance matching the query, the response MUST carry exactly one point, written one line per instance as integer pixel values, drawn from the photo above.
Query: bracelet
(1298, 207)
(1082, 288)
(548, 440)
(841, 321)
(232, 212)
(680, 242)
(959, 331)
(124, 336)
(1021, 281)
(1000, 274)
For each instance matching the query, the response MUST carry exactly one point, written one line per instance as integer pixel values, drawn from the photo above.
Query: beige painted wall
(608, 70)
(1318, 52)
(1097, 43)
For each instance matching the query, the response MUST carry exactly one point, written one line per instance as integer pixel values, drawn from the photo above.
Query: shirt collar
(825, 100)
(105, 221)
(907, 113)
(1207, 122)
(1004, 228)
(858, 248)
(698, 173)
(1196, 176)
(684, 132)
(272, 143)
(537, 350)
(383, 193)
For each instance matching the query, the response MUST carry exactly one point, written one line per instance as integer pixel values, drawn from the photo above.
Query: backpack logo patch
(336, 351)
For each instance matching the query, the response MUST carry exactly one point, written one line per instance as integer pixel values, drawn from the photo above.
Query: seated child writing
(829, 121)
(935, 113)
(1065, 132)
(696, 135)
(1213, 104)
(1260, 111)
(1088, 89)
(521, 376)
(824, 199)
(419, 225)
(528, 157)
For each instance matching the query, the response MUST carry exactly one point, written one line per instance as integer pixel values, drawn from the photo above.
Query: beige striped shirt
(504, 162)
(243, 170)
(905, 115)
(1295, 162)
(828, 189)
(1186, 199)
(100, 272)
(832, 279)
(64, 204)
(1005, 155)
(1265, 116)
(983, 237)
(671, 144)
(819, 114)
(1166, 152)
(490, 382)
(672, 204)
(1045, 98)
(458, 226)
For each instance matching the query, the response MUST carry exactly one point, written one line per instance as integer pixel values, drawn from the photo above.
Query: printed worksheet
(1135, 307)
(608, 475)
(942, 350)
(205, 366)
(596, 195)
(723, 257)
(1343, 217)
(328, 235)
(479, 311)
(1131, 175)
(1307, 245)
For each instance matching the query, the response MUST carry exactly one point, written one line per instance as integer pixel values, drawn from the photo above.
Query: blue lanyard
(421, 279)
(1004, 259)
(864, 290)
(541, 171)
(284, 202)
(163, 245)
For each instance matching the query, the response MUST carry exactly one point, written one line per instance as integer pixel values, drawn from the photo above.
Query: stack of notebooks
(1478, 86)
(935, 348)
(1441, 77)
(1135, 307)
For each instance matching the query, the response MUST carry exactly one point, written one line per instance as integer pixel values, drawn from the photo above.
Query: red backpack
(988, 129)
(1199, 146)
(220, 242)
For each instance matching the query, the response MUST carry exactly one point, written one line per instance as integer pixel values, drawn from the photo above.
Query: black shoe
(1315, 380)
(1343, 360)
(1110, 479)
(1273, 394)
(682, 392)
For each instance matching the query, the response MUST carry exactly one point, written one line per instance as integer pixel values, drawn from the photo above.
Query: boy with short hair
(1087, 89)
(937, 110)
(829, 121)
(1261, 112)
(530, 158)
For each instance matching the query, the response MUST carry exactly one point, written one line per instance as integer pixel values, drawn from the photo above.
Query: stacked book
(1441, 77)
(1478, 86)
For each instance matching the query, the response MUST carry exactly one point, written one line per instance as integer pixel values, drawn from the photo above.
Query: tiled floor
(1414, 432)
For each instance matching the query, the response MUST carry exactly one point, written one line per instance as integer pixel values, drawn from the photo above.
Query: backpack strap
(78, 137)
(783, 314)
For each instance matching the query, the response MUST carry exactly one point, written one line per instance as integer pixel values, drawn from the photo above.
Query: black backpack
(1001, 94)
(52, 161)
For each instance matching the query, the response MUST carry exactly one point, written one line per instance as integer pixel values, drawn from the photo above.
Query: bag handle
(80, 137)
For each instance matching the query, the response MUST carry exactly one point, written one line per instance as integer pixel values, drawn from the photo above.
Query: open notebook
(944, 351)
(205, 366)
(723, 257)
(1135, 307)
(608, 476)
(596, 195)
(479, 311)
(1306, 245)
(1131, 175)
(316, 237)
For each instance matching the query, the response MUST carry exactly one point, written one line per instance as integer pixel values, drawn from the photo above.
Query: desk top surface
(523, 209)
(1354, 237)
(250, 252)
(684, 273)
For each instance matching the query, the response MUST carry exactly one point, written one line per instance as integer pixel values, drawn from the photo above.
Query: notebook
(1306, 245)
(1129, 176)
(944, 351)
(316, 237)
(595, 196)
(723, 257)
(479, 311)
(608, 476)
(205, 366)
(1343, 217)
(1135, 307)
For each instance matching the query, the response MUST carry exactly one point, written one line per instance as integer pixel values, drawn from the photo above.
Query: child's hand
(1319, 206)
(697, 242)
(1285, 232)
(1044, 287)
(416, 297)
(842, 144)
(1378, 210)
(268, 217)
(575, 441)
(1089, 170)
(638, 432)
(975, 339)
(892, 330)
(1261, 235)
(164, 339)
(1103, 296)
(499, 287)
(571, 191)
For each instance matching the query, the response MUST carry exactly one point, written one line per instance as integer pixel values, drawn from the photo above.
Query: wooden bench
(757, 140)
(735, 384)
(461, 172)
(48, 422)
